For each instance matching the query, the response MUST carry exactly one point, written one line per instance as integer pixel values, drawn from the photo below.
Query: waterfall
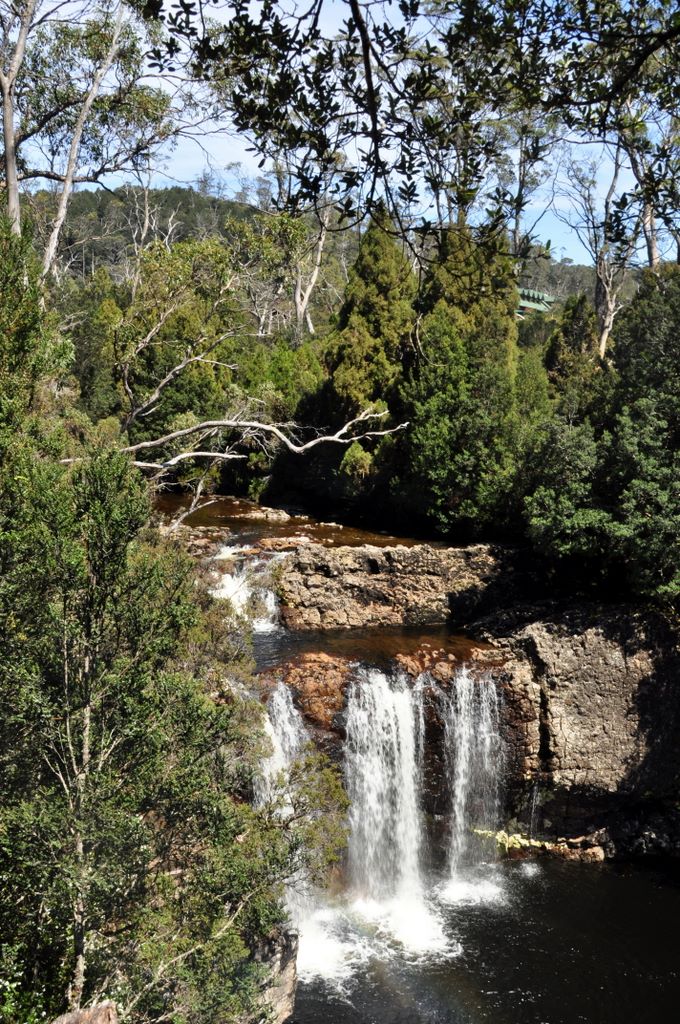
(383, 776)
(474, 759)
(287, 735)
(235, 587)
(324, 947)
(248, 587)
(392, 901)
(535, 808)
(473, 755)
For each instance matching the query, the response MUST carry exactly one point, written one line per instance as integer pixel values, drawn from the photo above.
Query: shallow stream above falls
(423, 926)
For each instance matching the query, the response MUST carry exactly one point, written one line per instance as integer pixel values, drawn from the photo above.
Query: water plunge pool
(543, 942)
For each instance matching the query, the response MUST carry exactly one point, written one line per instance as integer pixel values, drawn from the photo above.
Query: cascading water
(535, 809)
(474, 759)
(391, 901)
(248, 587)
(383, 769)
(323, 948)
(383, 775)
(473, 754)
(287, 735)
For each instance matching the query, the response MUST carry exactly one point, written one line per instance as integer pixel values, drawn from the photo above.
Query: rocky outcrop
(319, 683)
(347, 587)
(442, 664)
(592, 720)
(102, 1013)
(280, 957)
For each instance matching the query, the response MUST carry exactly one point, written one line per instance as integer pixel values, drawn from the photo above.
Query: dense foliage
(608, 498)
(517, 429)
(155, 338)
(459, 398)
(127, 837)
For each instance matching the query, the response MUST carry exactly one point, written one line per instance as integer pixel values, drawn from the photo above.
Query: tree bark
(302, 294)
(605, 307)
(640, 170)
(649, 231)
(77, 983)
(74, 149)
(7, 86)
(11, 177)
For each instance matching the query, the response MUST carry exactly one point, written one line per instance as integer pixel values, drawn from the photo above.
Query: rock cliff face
(592, 720)
(319, 686)
(280, 957)
(344, 587)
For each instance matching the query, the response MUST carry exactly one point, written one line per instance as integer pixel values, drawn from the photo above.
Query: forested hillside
(517, 428)
(341, 334)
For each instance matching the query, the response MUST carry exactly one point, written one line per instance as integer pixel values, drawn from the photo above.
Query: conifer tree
(364, 359)
(572, 359)
(460, 397)
(374, 324)
(609, 495)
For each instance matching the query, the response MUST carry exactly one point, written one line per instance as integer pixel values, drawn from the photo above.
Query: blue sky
(189, 159)
(219, 152)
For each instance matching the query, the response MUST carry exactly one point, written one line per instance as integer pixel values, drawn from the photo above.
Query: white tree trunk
(7, 86)
(11, 177)
(303, 294)
(74, 148)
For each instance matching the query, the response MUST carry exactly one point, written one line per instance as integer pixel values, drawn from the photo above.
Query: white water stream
(248, 587)
(382, 774)
(324, 950)
(474, 759)
(392, 905)
(383, 769)
(287, 734)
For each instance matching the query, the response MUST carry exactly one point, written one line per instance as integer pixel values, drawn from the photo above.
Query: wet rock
(517, 846)
(272, 515)
(368, 586)
(319, 683)
(201, 542)
(591, 716)
(442, 664)
(281, 543)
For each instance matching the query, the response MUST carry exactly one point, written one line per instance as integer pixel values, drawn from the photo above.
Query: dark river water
(544, 942)
(557, 943)
(247, 523)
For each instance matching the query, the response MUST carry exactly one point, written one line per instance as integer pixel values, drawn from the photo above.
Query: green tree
(572, 359)
(643, 454)
(565, 519)
(375, 323)
(153, 352)
(460, 398)
(125, 757)
(127, 838)
(364, 359)
(25, 338)
(608, 501)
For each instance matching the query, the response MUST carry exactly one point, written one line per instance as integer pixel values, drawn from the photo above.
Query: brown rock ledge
(319, 682)
(367, 586)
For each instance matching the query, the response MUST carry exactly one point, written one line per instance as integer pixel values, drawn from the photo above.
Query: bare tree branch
(275, 430)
